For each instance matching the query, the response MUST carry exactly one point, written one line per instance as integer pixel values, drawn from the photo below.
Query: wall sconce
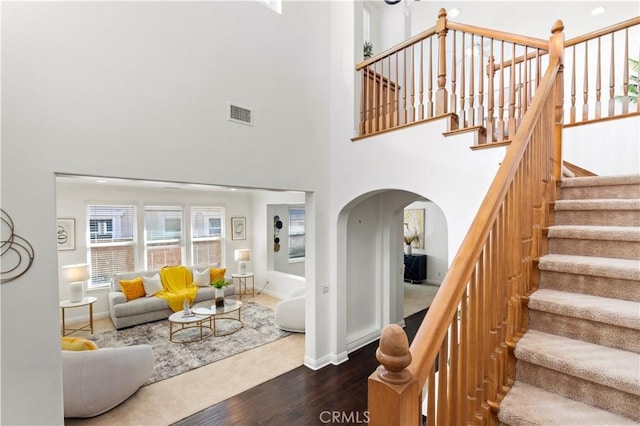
(242, 256)
(76, 275)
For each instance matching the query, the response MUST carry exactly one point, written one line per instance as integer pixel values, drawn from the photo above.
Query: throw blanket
(177, 282)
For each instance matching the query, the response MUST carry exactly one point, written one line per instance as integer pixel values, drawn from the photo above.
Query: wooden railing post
(393, 391)
(556, 50)
(441, 94)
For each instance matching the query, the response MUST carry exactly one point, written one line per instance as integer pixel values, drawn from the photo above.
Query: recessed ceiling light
(101, 181)
(233, 189)
(597, 11)
(453, 12)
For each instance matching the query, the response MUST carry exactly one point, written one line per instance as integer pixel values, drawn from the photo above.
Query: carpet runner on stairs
(579, 363)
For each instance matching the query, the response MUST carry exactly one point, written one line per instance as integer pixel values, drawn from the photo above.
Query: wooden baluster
(412, 110)
(461, 386)
(441, 94)
(396, 98)
(421, 110)
(512, 93)
(500, 135)
(388, 106)
(443, 372)
(454, 59)
(490, 96)
(480, 113)
(585, 87)
(454, 365)
(404, 91)
(381, 93)
(471, 110)
(363, 97)
(392, 388)
(431, 397)
(572, 109)
(472, 350)
(430, 110)
(462, 119)
(625, 75)
(612, 79)
(375, 100)
(519, 93)
(369, 101)
(525, 82)
(598, 78)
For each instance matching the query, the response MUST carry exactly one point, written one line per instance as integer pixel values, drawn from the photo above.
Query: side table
(66, 304)
(243, 288)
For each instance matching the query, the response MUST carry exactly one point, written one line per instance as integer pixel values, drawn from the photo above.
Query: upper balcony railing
(486, 79)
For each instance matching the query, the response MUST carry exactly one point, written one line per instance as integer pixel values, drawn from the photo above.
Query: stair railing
(480, 78)
(612, 70)
(463, 348)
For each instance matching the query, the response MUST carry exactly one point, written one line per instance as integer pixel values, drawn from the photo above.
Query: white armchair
(290, 312)
(96, 381)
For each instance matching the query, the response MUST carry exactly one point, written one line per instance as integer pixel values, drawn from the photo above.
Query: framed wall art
(66, 235)
(238, 228)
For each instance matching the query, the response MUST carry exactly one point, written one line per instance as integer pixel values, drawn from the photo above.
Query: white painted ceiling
(530, 18)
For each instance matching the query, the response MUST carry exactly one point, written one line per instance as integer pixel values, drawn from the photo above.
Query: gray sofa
(125, 313)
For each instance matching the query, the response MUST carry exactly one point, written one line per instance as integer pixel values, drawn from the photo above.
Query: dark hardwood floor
(335, 394)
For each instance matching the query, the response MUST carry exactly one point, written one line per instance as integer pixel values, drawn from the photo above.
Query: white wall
(139, 90)
(597, 147)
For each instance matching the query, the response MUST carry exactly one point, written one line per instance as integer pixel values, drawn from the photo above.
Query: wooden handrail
(604, 31)
(395, 49)
(500, 35)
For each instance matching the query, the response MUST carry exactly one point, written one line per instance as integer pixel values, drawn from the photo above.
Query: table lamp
(76, 275)
(242, 256)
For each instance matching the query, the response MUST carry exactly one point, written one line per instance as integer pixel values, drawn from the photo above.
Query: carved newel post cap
(557, 27)
(442, 12)
(393, 353)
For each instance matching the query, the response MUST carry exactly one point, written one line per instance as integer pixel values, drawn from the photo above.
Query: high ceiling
(531, 18)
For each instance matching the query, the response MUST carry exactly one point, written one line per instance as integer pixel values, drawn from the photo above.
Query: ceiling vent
(240, 115)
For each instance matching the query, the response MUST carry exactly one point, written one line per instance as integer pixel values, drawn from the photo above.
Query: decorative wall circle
(276, 240)
(16, 252)
(279, 224)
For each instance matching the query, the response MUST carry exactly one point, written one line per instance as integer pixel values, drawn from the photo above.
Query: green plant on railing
(633, 82)
(367, 49)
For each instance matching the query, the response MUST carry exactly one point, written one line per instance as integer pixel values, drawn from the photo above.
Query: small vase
(407, 249)
(219, 294)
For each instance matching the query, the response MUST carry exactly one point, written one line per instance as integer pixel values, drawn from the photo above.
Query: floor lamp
(76, 275)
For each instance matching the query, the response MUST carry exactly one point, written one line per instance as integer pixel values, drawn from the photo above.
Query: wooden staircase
(579, 363)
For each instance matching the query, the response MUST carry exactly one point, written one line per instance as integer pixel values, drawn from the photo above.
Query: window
(206, 235)
(366, 24)
(163, 236)
(111, 242)
(296, 234)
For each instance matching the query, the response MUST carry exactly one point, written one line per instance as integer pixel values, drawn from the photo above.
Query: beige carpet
(418, 297)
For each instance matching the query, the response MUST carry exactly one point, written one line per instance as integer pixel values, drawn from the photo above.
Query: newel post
(556, 50)
(393, 391)
(441, 94)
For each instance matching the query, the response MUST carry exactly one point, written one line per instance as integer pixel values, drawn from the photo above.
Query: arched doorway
(371, 261)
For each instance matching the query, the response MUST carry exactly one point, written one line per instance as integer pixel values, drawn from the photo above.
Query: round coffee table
(227, 312)
(186, 323)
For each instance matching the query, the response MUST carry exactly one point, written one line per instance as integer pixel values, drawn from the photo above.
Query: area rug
(172, 359)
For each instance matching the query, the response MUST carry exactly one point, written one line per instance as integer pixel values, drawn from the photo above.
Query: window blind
(163, 236)
(296, 233)
(206, 234)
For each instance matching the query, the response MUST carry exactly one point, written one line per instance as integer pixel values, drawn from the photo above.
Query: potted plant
(219, 284)
(367, 49)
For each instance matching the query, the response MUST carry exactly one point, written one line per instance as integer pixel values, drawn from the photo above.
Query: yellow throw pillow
(217, 273)
(133, 289)
(78, 344)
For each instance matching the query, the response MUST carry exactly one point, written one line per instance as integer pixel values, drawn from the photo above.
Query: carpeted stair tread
(590, 265)
(588, 232)
(610, 367)
(528, 405)
(600, 181)
(622, 313)
(598, 204)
